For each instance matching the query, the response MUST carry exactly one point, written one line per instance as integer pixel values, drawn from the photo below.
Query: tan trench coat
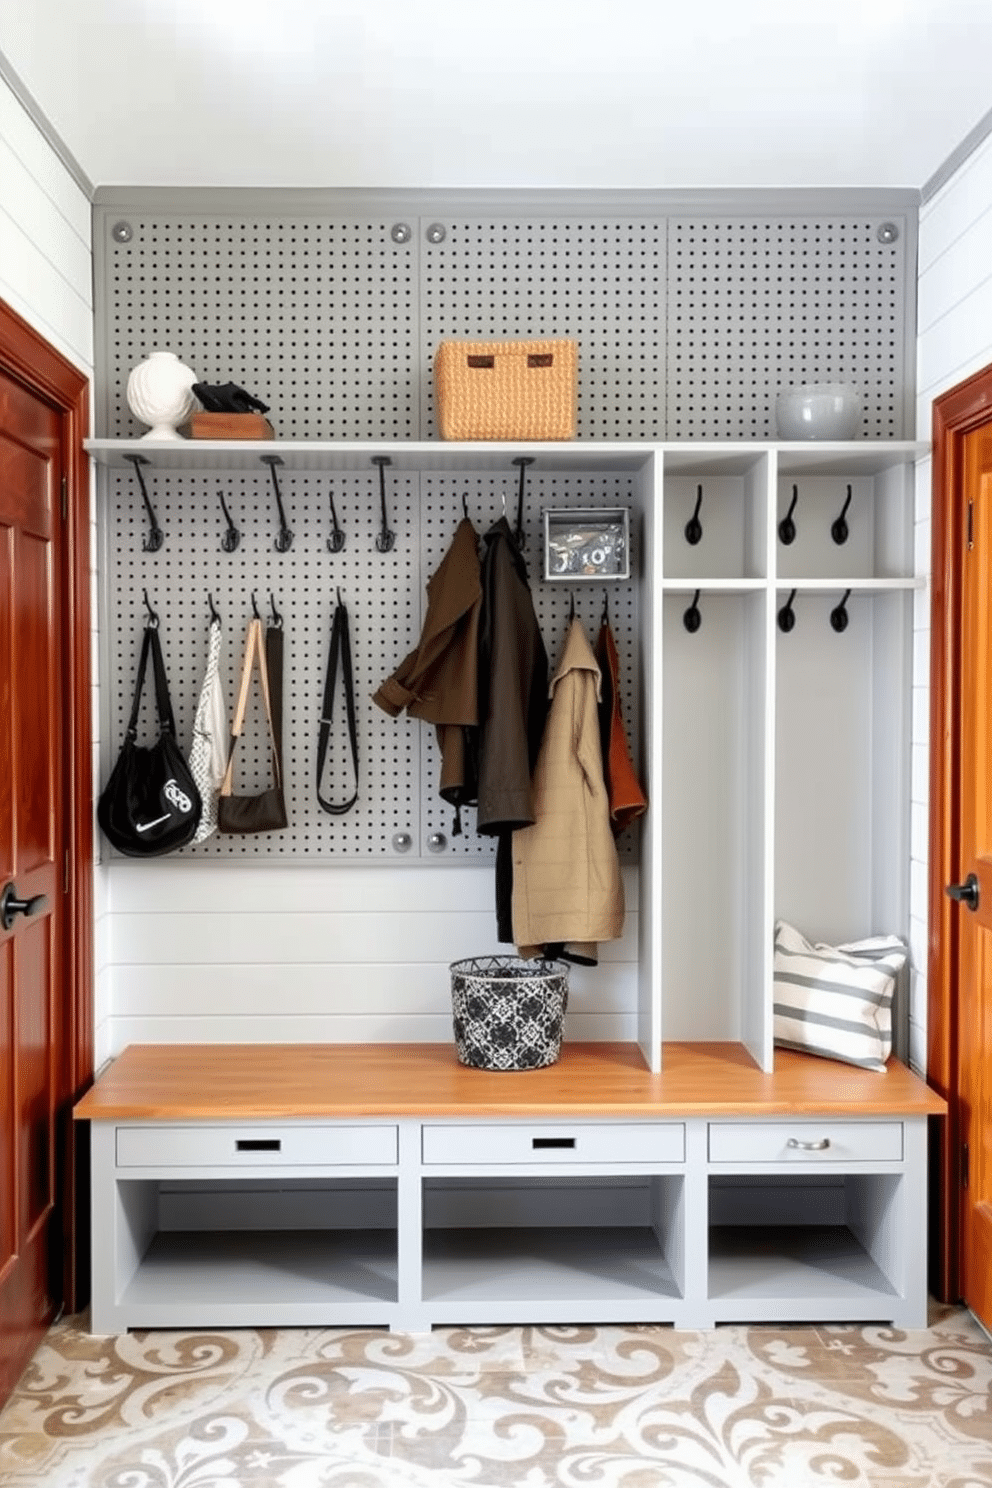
(567, 886)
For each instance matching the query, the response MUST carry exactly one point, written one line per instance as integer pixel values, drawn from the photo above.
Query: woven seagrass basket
(508, 1013)
(506, 389)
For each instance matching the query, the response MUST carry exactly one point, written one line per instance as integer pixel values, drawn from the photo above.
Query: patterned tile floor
(549, 1407)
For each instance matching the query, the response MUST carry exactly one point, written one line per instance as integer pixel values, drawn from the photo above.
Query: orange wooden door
(31, 855)
(974, 908)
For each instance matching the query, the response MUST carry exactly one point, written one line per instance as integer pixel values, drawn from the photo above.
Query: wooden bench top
(239, 1082)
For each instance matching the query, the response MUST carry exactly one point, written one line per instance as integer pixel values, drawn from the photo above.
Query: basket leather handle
(534, 359)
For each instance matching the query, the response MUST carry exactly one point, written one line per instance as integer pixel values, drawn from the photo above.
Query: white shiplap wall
(955, 340)
(220, 953)
(46, 276)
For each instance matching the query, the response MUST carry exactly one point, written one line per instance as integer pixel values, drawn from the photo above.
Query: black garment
(513, 704)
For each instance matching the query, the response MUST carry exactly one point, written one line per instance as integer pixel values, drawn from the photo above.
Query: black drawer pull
(540, 1143)
(258, 1144)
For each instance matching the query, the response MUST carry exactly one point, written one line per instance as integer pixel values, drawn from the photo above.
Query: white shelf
(862, 586)
(714, 586)
(683, 458)
(225, 455)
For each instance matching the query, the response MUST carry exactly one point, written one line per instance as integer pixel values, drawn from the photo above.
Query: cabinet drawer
(254, 1146)
(805, 1141)
(525, 1143)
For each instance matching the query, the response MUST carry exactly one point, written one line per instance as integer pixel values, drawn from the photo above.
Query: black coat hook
(232, 536)
(787, 614)
(571, 608)
(254, 606)
(284, 540)
(839, 616)
(839, 529)
(152, 621)
(518, 532)
(692, 619)
(276, 617)
(214, 615)
(386, 539)
(464, 506)
(605, 619)
(694, 527)
(787, 527)
(336, 540)
(156, 537)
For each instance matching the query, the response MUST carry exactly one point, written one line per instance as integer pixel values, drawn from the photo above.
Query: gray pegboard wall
(385, 597)
(760, 304)
(687, 325)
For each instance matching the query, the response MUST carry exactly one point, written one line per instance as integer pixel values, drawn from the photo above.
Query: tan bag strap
(254, 648)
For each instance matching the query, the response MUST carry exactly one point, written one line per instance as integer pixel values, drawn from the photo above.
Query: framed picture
(587, 543)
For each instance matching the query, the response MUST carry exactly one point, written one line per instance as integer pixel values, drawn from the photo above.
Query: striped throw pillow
(836, 1001)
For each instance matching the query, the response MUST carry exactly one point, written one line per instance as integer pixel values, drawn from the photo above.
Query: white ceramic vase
(159, 392)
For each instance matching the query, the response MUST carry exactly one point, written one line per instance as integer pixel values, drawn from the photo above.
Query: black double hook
(693, 619)
(232, 536)
(694, 527)
(152, 620)
(336, 540)
(787, 615)
(521, 461)
(787, 527)
(156, 537)
(384, 542)
(839, 529)
(284, 540)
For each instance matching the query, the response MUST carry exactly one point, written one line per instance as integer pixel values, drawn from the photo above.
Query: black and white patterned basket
(508, 1013)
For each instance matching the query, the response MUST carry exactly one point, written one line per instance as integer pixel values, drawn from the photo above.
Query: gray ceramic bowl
(818, 410)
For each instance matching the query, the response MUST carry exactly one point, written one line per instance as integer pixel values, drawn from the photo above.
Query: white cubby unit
(775, 760)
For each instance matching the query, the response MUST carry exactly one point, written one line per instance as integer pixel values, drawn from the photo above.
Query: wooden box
(229, 426)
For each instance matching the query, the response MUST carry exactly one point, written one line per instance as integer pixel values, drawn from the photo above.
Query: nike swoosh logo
(147, 826)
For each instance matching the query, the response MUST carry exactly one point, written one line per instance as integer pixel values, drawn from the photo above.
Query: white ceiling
(506, 93)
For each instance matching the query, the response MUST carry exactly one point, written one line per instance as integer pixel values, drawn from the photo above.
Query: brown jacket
(627, 799)
(566, 874)
(438, 681)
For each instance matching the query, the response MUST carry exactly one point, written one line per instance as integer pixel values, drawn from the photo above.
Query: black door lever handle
(965, 893)
(11, 905)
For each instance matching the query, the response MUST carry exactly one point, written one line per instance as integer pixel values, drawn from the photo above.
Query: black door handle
(966, 893)
(10, 905)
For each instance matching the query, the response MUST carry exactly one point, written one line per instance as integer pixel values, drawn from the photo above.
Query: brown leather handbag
(266, 810)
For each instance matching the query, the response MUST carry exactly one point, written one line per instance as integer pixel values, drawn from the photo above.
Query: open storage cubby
(288, 1251)
(539, 1260)
(714, 749)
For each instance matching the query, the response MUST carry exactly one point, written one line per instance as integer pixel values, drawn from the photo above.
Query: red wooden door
(974, 887)
(31, 860)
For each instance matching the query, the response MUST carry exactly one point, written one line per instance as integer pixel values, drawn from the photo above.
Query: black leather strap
(167, 724)
(340, 652)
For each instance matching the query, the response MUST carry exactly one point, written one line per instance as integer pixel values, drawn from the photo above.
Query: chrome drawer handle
(820, 1146)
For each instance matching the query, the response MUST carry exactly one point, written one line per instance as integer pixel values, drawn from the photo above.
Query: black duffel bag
(150, 805)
